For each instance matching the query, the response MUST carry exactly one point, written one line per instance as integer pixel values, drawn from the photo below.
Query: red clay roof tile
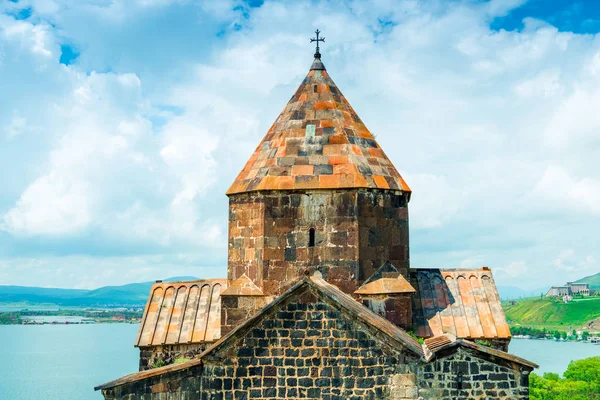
(318, 121)
(182, 312)
(461, 302)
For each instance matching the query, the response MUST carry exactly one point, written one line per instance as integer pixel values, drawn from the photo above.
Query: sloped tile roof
(182, 312)
(242, 286)
(443, 342)
(386, 280)
(437, 342)
(318, 142)
(461, 302)
(386, 286)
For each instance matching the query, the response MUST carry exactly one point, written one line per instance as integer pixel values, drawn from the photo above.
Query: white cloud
(50, 205)
(188, 151)
(16, 126)
(559, 190)
(35, 38)
(565, 261)
(496, 132)
(514, 269)
(576, 122)
(590, 260)
(434, 202)
(546, 84)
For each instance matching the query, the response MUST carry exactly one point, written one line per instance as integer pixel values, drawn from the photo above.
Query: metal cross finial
(317, 53)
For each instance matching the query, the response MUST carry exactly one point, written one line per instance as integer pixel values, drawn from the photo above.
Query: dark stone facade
(396, 308)
(305, 349)
(237, 309)
(310, 347)
(356, 231)
(481, 377)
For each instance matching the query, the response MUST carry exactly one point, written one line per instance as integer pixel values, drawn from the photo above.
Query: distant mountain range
(133, 294)
(513, 292)
(592, 280)
(136, 294)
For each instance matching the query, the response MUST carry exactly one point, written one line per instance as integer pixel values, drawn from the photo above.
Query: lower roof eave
(430, 354)
(138, 376)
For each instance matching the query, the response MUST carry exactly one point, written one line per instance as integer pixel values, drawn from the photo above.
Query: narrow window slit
(311, 237)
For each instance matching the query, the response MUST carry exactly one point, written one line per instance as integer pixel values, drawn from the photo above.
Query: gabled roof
(318, 142)
(242, 286)
(461, 302)
(386, 280)
(182, 313)
(392, 334)
(438, 344)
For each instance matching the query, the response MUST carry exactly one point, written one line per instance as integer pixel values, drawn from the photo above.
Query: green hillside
(592, 280)
(549, 312)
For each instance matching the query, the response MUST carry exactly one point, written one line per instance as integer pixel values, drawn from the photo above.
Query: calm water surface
(52, 362)
(552, 356)
(65, 362)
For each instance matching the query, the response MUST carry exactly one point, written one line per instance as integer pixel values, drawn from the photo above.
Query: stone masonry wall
(383, 232)
(157, 356)
(481, 379)
(246, 236)
(356, 231)
(309, 349)
(236, 310)
(396, 308)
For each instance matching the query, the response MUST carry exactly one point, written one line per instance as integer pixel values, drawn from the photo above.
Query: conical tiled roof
(318, 142)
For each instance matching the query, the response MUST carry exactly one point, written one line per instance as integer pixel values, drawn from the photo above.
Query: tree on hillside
(563, 335)
(581, 382)
(556, 335)
(587, 370)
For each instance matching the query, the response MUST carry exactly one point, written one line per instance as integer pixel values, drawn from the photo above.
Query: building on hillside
(558, 291)
(570, 289)
(320, 300)
(579, 288)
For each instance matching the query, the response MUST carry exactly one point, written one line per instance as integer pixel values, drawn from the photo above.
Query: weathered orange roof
(242, 286)
(182, 312)
(318, 142)
(386, 286)
(461, 302)
(437, 342)
(386, 280)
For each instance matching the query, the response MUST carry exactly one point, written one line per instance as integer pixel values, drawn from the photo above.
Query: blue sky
(122, 123)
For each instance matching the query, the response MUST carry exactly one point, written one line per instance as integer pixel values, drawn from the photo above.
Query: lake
(65, 362)
(61, 319)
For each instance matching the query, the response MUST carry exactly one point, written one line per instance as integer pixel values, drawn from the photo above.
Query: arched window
(311, 237)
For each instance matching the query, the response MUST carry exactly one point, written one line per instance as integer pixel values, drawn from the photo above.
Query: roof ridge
(336, 295)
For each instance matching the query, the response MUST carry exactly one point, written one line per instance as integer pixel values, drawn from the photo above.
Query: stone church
(320, 301)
